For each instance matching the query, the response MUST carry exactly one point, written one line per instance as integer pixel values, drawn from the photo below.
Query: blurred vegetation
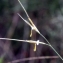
(1, 60)
(47, 7)
(52, 5)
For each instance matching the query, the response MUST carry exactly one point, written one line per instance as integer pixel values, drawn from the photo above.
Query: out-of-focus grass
(1, 60)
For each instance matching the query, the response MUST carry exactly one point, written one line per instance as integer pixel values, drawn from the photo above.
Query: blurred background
(47, 15)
